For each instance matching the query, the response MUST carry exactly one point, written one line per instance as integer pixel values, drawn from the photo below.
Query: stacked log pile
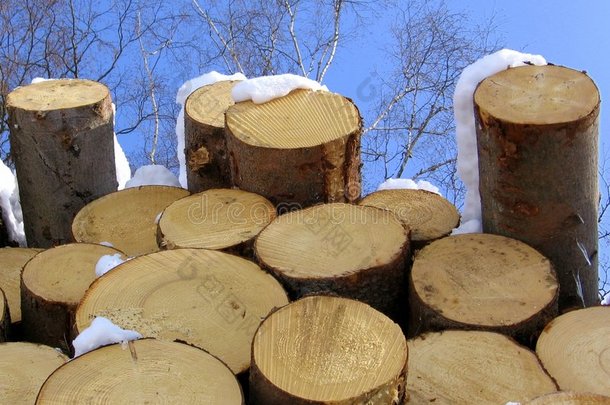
(274, 283)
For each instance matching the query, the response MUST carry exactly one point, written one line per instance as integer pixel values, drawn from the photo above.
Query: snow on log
(12, 261)
(328, 350)
(5, 317)
(209, 299)
(127, 218)
(482, 282)
(62, 142)
(575, 349)
(24, 367)
(299, 150)
(473, 367)
(207, 160)
(52, 284)
(219, 219)
(569, 398)
(353, 251)
(537, 130)
(143, 372)
(428, 215)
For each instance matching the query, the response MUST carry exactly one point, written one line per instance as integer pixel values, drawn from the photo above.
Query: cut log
(341, 249)
(204, 135)
(297, 150)
(473, 367)
(12, 261)
(127, 218)
(328, 350)
(52, 284)
(575, 350)
(143, 372)
(220, 219)
(23, 369)
(482, 282)
(533, 122)
(428, 215)
(206, 298)
(570, 398)
(62, 143)
(5, 317)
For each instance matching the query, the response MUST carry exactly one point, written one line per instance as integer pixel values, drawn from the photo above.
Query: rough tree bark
(62, 145)
(537, 130)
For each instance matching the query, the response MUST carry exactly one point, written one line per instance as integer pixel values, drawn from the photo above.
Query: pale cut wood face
(57, 95)
(13, 260)
(208, 104)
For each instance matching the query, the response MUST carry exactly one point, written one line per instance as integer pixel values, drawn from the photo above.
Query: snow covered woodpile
(62, 141)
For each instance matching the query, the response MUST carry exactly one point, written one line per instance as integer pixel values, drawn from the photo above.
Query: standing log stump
(207, 160)
(12, 261)
(127, 218)
(209, 299)
(328, 350)
(52, 285)
(220, 219)
(298, 150)
(144, 372)
(533, 122)
(575, 350)
(24, 367)
(473, 367)
(428, 215)
(62, 142)
(5, 317)
(482, 282)
(339, 249)
(570, 398)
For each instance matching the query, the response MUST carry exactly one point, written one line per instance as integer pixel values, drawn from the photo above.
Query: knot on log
(199, 158)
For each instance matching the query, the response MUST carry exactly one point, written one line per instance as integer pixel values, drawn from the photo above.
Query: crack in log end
(199, 158)
(132, 351)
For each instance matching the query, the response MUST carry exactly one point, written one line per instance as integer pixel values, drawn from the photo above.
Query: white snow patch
(109, 244)
(392, 184)
(101, 332)
(40, 80)
(11, 207)
(158, 218)
(107, 263)
(123, 171)
(467, 160)
(153, 175)
(513, 403)
(185, 90)
(266, 88)
(606, 299)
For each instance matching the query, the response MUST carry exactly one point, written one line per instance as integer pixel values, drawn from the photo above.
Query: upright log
(12, 261)
(300, 149)
(537, 130)
(62, 144)
(207, 160)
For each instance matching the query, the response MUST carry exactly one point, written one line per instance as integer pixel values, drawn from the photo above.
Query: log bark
(340, 249)
(570, 398)
(428, 215)
(473, 367)
(328, 350)
(147, 371)
(12, 261)
(52, 284)
(62, 145)
(298, 150)
(537, 130)
(482, 282)
(210, 299)
(24, 367)
(5, 317)
(219, 219)
(127, 218)
(205, 145)
(574, 348)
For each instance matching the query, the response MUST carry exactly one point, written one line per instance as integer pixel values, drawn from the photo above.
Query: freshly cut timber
(348, 250)
(52, 284)
(297, 150)
(482, 282)
(127, 218)
(143, 372)
(575, 349)
(328, 350)
(12, 261)
(210, 299)
(62, 143)
(207, 160)
(570, 398)
(533, 123)
(220, 219)
(5, 318)
(428, 215)
(24, 367)
(473, 367)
